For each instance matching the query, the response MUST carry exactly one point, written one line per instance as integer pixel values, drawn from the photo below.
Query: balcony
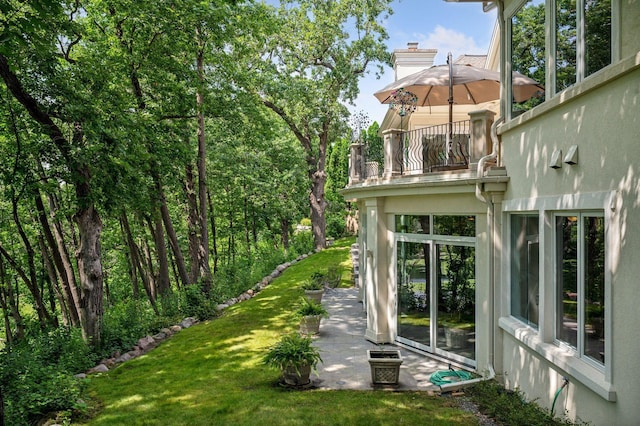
(446, 147)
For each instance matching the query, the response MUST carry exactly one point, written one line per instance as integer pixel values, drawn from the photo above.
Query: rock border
(147, 343)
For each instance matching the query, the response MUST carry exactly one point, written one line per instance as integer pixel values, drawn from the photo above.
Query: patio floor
(344, 350)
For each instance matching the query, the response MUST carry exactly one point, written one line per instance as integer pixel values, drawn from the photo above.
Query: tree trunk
(162, 281)
(133, 253)
(171, 235)
(67, 266)
(148, 278)
(214, 234)
(67, 286)
(192, 223)
(90, 272)
(203, 248)
(31, 281)
(315, 170)
(284, 231)
(54, 286)
(87, 218)
(9, 306)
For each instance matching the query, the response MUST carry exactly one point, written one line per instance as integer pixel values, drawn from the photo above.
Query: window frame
(542, 341)
(435, 240)
(511, 250)
(550, 48)
(579, 349)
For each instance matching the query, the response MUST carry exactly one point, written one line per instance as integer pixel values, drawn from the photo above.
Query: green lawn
(211, 374)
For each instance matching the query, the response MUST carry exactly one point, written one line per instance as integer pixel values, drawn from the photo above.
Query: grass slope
(211, 373)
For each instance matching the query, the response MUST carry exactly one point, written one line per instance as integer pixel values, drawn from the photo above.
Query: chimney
(411, 60)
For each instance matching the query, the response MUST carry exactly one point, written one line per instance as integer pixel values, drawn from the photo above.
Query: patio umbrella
(457, 84)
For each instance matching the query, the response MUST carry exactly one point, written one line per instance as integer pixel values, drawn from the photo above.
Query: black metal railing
(435, 148)
(429, 149)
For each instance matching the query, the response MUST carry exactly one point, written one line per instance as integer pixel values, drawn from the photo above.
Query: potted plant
(296, 358)
(314, 286)
(310, 313)
(384, 365)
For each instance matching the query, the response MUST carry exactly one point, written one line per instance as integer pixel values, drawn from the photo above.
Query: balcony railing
(448, 146)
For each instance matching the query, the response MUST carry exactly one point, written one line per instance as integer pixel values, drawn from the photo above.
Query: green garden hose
(446, 377)
(565, 382)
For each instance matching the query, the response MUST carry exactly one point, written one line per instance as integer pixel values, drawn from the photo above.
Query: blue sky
(459, 28)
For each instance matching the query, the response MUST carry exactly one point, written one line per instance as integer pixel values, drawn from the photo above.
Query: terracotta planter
(310, 324)
(385, 366)
(297, 377)
(315, 295)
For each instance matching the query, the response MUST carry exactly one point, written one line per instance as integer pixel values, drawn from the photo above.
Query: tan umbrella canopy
(452, 84)
(458, 84)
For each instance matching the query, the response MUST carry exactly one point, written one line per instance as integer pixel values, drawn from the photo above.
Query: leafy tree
(312, 53)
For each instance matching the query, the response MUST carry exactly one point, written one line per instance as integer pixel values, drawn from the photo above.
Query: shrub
(196, 304)
(124, 324)
(302, 243)
(510, 407)
(36, 375)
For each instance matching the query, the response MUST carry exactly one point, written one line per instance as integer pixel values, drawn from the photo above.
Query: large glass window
(436, 287)
(580, 43)
(597, 38)
(525, 296)
(581, 50)
(456, 299)
(414, 314)
(580, 270)
(528, 48)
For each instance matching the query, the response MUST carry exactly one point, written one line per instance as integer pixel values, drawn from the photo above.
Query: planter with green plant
(296, 358)
(310, 313)
(314, 286)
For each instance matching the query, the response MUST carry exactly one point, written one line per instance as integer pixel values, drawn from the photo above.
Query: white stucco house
(518, 258)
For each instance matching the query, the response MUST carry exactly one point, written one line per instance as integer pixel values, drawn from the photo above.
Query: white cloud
(449, 40)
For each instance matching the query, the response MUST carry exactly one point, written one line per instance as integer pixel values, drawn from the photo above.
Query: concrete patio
(344, 350)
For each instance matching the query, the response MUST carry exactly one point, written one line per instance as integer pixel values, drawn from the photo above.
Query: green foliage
(305, 221)
(301, 243)
(36, 375)
(124, 324)
(317, 281)
(196, 303)
(510, 407)
(292, 350)
(333, 276)
(311, 307)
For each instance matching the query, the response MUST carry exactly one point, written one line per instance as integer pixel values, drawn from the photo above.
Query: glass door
(436, 298)
(456, 293)
(414, 289)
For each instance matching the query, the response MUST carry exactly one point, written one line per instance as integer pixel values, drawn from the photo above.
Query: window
(580, 44)
(525, 297)
(455, 225)
(411, 224)
(581, 50)
(580, 284)
(528, 55)
(436, 284)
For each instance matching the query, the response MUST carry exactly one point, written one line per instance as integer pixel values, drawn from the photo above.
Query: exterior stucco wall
(602, 117)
